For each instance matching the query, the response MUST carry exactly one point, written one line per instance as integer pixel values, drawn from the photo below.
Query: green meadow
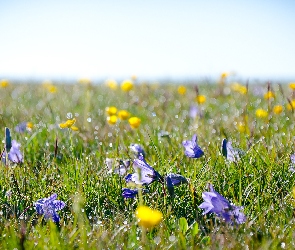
(258, 119)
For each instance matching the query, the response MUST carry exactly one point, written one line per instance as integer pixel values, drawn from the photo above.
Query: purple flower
(119, 167)
(14, 154)
(216, 203)
(174, 180)
(49, 206)
(195, 111)
(144, 174)
(230, 153)
(137, 149)
(131, 193)
(192, 149)
(21, 128)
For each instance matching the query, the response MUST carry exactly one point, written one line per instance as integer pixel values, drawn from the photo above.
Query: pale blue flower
(14, 153)
(173, 180)
(192, 149)
(144, 173)
(49, 206)
(137, 149)
(128, 193)
(216, 203)
(230, 153)
(21, 127)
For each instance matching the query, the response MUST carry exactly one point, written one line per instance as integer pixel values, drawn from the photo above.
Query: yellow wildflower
(241, 127)
(30, 125)
(123, 114)
(239, 88)
(112, 110)
(181, 90)
(278, 109)
(134, 122)
(49, 86)
(112, 84)
(63, 125)
(4, 83)
(127, 85)
(68, 124)
(268, 95)
(52, 89)
(85, 81)
(261, 113)
(224, 75)
(292, 85)
(291, 105)
(112, 120)
(148, 218)
(74, 128)
(200, 99)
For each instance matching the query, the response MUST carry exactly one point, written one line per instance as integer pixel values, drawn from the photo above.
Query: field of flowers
(147, 166)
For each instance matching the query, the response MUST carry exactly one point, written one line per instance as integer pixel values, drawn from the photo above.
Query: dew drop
(172, 238)
(157, 240)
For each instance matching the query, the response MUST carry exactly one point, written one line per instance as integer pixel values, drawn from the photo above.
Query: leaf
(195, 229)
(182, 241)
(183, 226)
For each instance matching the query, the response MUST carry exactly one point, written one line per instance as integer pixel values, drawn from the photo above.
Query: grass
(97, 217)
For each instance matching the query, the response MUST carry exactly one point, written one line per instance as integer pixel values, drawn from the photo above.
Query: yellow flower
(123, 114)
(181, 90)
(30, 125)
(134, 77)
(291, 105)
(74, 128)
(134, 122)
(68, 124)
(239, 88)
(52, 89)
(63, 125)
(112, 110)
(49, 86)
(292, 85)
(268, 95)
(224, 75)
(85, 81)
(241, 127)
(127, 85)
(112, 84)
(112, 120)
(261, 113)
(200, 99)
(148, 218)
(4, 83)
(278, 109)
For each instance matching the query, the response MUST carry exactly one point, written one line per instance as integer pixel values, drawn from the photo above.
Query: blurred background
(154, 40)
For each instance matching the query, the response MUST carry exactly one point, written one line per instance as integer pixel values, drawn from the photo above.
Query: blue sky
(151, 39)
